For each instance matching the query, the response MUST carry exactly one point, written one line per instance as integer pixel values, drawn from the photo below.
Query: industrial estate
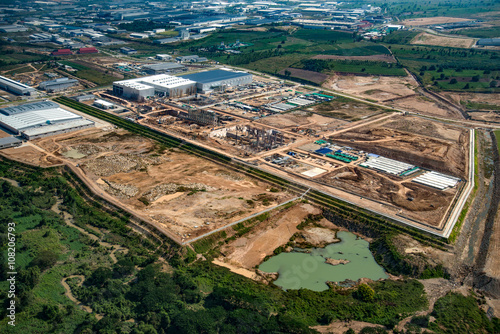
(251, 167)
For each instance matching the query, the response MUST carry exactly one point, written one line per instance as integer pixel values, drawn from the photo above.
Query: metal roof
(215, 75)
(9, 140)
(29, 107)
(26, 120)
(163, 66)
(57, 127)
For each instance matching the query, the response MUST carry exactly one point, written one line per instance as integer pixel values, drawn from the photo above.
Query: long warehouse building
(162, 84)
(40, 119)
(209, 80)
(16, 87)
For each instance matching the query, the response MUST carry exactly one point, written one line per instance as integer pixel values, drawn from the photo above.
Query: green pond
(308, 269)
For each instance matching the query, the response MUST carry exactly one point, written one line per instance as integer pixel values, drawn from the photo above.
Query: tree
(100, 276)
(44, 260)
(493, 84)
(365, 293)
(475, 78)
(287, 73)
(467, 86)
(453, 81)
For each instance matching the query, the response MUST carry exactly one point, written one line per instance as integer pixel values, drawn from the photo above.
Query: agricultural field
(453, 42)
(478, 32)
(94, 73)
(451, 69)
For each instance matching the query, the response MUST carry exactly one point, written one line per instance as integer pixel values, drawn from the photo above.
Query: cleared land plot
(381, 57)
(425, 106)
(3, 134)
(249, 251)
(417, 202)
(311, 76)
(177, 191)
(379, 88)
(345, 109)
(302, 120)
(453, 42)
(437, 146)
(423, 21)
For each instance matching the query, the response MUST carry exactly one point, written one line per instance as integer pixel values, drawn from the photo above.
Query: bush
(365, 293)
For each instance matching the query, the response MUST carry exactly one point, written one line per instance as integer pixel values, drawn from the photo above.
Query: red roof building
(62, 52)
(88, 50)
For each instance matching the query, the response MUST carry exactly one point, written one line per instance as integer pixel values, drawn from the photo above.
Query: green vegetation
(456, 313)
(352, 66)
(472, 70)
(411, 9)
(187, 298)
(99, 77)
(479, 32)
(480, 106)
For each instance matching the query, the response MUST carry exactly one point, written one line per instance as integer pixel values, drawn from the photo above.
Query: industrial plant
(41, 119)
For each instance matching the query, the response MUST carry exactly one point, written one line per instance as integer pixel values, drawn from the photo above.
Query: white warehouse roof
(35, 118)
(162, 80)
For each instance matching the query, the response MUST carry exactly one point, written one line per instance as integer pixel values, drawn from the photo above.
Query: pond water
(308, 269)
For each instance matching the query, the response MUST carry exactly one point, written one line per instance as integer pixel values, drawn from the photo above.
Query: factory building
(163, 57)
(488, 42)
(128, 51)
(102, 104)
(40, 119)
(162, 84)
(201, 116)
(13, 28)
(58, 85)
(16, 87)
(210, 80)
(163, 68)
(9, 142)
(83, 98)
(62, 52)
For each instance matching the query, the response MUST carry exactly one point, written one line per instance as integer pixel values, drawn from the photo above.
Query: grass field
(90, 74)
(479, 32)
(351, 66)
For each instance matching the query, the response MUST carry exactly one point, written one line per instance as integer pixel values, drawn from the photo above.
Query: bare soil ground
(427, 205)
(249, 251)
(315, 77)
(182, 193)
(3, 134)
(340, 327)
(424, 106)
(453, 42)
(433, 145)
(381, 57)
(485, 116)
(29, 155)
(423, 21)
(348, 110)
(373, 87)
(490, 105)
(302, 119)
